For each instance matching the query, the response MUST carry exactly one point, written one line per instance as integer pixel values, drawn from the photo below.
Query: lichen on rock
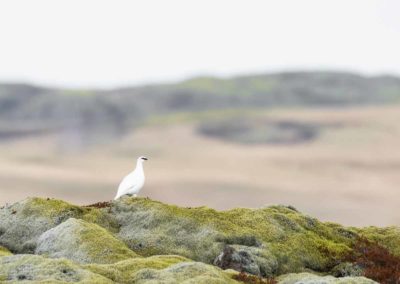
(39, 269)
(251, 260)
(82, 242)
(308, 278)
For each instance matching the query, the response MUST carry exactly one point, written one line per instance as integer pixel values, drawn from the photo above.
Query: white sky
(95, 43)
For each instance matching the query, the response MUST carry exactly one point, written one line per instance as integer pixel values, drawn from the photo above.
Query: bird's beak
(145, 159)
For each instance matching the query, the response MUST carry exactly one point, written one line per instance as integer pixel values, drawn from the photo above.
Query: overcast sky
(94, 43)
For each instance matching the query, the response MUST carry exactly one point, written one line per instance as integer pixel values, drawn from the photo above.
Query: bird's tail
(116, 197)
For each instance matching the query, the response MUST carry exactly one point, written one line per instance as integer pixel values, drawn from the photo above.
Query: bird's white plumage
(133, 182)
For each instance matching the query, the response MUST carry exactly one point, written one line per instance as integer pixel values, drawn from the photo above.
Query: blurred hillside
(90, 116)
(324, 142)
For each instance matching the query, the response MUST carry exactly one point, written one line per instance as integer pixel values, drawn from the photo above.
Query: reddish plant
(99, 204)
(252, 279)
(378, 263)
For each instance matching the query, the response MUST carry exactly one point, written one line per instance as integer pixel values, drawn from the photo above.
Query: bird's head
(142, 159)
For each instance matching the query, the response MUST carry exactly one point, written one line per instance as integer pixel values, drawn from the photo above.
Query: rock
(308, 278)
(238, 260)
(247, 259)
(347, 269)
(4, 251)
(82, 242)
(22, 223)
(36, 268)
(265, 260)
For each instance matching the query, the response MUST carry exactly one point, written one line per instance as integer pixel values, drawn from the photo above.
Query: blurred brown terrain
(325, 143)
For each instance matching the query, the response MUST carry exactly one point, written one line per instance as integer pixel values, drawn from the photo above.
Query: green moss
(83, 242)
(61, 211)
(296, 240)
(48, 207)
(4, 251)
(101, 245)
(156, 269)
(124, 271)
(279, 239)
(185, 272)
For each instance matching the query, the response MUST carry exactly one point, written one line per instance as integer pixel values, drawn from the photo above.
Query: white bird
(133, 182)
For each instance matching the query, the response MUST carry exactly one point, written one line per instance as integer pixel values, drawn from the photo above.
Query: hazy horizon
(195, 76)
(103, 44)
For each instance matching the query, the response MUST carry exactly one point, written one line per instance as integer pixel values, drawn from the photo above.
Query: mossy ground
(296, 240)
(175, 244)
(156, 269)
(124, 271)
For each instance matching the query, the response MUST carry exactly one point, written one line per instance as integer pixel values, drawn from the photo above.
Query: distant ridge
(25, 106)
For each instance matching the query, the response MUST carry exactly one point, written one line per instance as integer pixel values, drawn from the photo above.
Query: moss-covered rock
(280, 234)
(17, 268)
(186, 272)
(22, 223)
(82, 242)
(4, 251)
(251, 260)
(347, 269)
(161, 269)
(156, 269)
(308, 278)
(124, 271)
(274, 240)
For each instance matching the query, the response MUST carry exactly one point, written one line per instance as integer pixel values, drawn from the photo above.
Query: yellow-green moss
(123, 271)
(4, 251)
(83, 242)
(155, 269)
(184, 272)
(101, 245)
(39, 269)
(279, 238)
(297, 241)
(49, 207)
(61, 210)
